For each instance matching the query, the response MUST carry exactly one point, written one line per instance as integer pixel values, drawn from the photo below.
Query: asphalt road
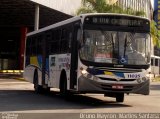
(18, 97)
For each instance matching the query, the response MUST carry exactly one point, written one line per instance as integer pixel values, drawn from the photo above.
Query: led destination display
(116, 21)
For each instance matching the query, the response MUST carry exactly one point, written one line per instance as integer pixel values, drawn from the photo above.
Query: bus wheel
(63, 85)
(119, 97)
(46, 90)
(37, 87)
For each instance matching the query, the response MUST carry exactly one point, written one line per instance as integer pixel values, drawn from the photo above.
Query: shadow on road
(155, 87)
(22, 100)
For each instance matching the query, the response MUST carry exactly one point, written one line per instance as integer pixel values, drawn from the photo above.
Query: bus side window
(39, 44)
(48, 39)
(33, 46)
(50, 42)
(28, 49)
(65, 41)
(152, 62)
(156, 62)
(70, 36)
(54, 42)
(79, 37)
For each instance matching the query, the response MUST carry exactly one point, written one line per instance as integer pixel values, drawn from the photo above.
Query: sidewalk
(11, 76)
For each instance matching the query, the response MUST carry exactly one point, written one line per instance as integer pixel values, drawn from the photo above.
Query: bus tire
(46, 90)
(37, 87)
(63, 84)
(120, 97)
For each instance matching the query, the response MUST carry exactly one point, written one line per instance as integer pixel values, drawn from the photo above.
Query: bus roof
(153, 56)
(116, 14)
(79, 18)
(55, 25)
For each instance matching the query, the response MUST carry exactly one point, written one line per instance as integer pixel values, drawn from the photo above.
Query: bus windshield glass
(116, 47)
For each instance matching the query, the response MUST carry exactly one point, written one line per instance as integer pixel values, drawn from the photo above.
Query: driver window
(79, 35)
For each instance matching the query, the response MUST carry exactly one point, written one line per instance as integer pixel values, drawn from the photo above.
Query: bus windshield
(116, 47)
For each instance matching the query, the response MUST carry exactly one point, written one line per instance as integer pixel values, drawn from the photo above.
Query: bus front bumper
(91, 86)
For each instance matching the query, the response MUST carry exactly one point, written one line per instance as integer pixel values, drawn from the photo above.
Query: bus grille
(110, 79)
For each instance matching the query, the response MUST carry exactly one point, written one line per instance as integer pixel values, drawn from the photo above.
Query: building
(64, 6)
(17, 17)
(157, 13)
(156, 59)
(111, 1)
(138, 5)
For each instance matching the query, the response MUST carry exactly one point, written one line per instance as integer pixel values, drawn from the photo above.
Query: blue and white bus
(91, 53)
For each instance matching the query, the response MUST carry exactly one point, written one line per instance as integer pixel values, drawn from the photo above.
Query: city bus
(92, 53)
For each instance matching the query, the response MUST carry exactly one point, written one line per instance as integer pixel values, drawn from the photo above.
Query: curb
(20, 79)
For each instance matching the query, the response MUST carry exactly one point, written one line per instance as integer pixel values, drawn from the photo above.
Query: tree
(102, 6)
(155, 34)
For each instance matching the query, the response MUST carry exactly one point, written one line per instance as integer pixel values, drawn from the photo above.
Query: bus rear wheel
(63, 88)
(120, 97)
(37, 87)
(63, 85)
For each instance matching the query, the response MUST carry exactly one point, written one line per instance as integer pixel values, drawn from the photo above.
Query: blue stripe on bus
(104, 72)
(38, 61)
(39, 58)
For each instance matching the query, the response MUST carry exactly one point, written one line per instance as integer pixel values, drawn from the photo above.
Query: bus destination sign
(116, 21)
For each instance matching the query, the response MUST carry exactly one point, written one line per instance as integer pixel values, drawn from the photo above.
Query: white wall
(65, 6)
(152, 3)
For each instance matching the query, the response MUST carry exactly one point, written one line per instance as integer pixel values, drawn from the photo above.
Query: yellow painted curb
(20, 79)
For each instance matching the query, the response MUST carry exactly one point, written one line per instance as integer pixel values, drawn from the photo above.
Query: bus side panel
(29, 73)
(57, 63)
(53, 73)
(79, 71)
(47, 71)
(33, 63)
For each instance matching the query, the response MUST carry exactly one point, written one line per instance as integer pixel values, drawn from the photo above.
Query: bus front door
(74, 60)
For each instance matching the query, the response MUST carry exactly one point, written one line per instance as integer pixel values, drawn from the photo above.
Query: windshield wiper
(125, 46)
(112, 44)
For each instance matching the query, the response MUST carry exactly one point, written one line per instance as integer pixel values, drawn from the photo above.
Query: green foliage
(155, 34)
(101, 6)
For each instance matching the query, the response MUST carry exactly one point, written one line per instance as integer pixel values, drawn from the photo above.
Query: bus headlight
(84, 72)
(139, 80)
(149, 76)
(144, 79)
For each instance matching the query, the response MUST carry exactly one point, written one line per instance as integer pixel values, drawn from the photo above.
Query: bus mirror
(79, 45)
